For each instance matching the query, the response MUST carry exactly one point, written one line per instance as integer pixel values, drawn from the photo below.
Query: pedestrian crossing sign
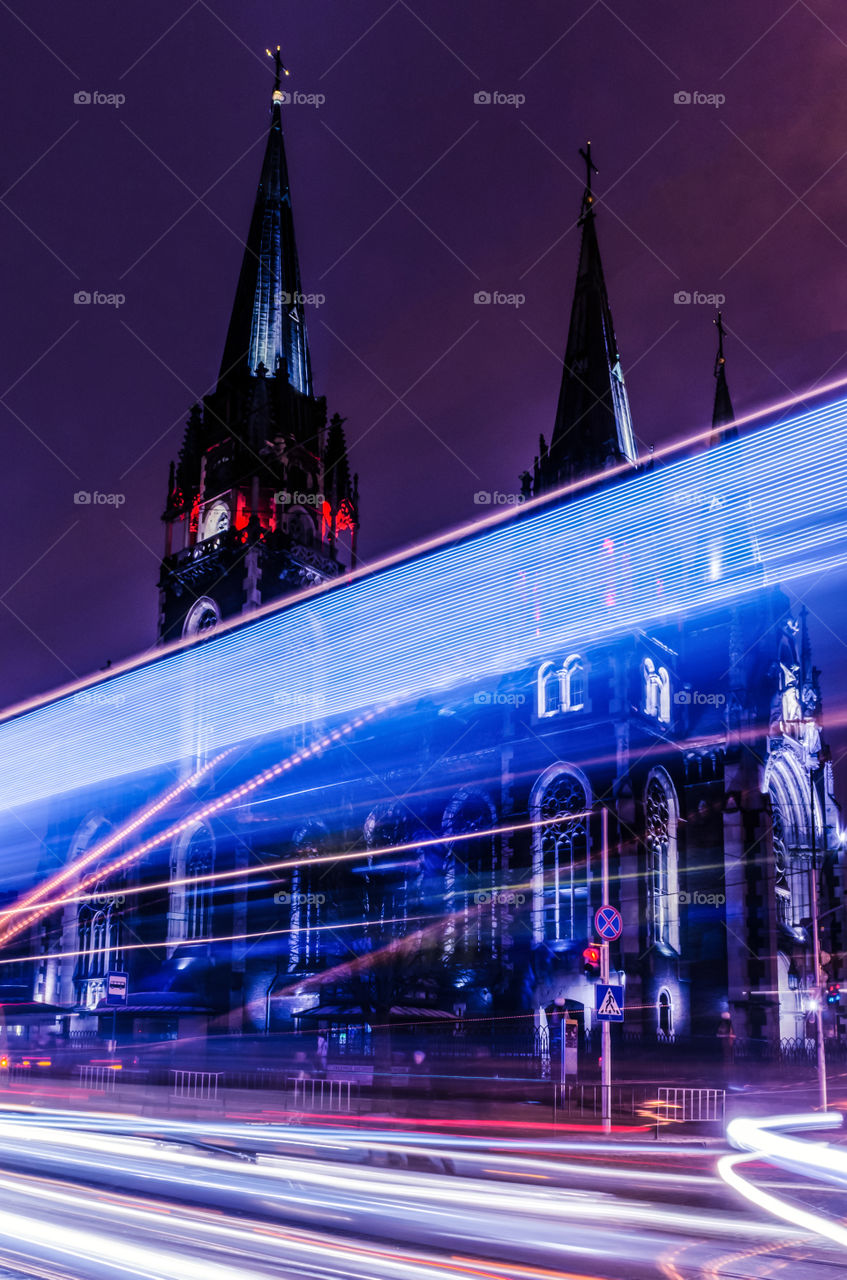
(609, 1003)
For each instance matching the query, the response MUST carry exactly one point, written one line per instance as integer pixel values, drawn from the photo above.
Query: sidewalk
(493, 1118)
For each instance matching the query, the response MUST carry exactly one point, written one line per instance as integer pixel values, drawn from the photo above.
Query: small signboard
(570, 1048)
(117, 987)
(608, 923)
(609, 1003)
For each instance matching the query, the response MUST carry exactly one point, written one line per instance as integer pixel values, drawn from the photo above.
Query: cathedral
(474, 815)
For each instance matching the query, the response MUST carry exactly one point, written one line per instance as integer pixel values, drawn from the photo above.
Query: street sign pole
(606, 1061)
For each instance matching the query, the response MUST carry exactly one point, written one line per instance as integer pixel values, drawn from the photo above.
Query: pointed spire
(268, 322)
(723, 416)
(593, 428)
(337, 484)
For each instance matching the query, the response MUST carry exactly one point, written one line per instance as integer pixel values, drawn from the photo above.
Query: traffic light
(591, 963)
(833, 993)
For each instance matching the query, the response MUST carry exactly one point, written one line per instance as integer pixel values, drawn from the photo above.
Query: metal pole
(816, 947)
(606, 1060)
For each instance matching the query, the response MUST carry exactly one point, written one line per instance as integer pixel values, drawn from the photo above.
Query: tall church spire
(261, 503)
(268, 323)
(723, 416)
(593, 428)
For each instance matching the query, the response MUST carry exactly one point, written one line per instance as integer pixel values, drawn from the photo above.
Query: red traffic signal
(833, 993)
(591, 963)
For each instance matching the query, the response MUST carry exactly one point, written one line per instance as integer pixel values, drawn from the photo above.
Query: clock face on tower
(216, 520)
(204, 615)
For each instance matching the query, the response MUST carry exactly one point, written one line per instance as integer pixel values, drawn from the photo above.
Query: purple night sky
(409, 197)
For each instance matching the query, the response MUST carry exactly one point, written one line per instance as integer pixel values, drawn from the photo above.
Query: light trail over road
(115, 1197)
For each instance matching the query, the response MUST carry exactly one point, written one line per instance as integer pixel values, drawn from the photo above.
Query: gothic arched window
(661, 819)
(306, 901)
(787, 785)
(549, 690)
(470, 879)
(561, 688)
(657, 692)
(199, 861)
(560, 806)
(665, 1012)
(99, 943)
(573, 683)
(387, 882)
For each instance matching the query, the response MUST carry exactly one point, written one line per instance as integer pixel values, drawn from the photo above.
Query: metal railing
(97, 1078)
(685, 1105)
(627, 1100)
(196, 1086)
(318, 1094)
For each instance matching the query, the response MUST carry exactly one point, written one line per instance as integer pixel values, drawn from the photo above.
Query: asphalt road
(116, 1197)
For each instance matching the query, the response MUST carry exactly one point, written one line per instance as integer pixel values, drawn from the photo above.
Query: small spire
(268, 323)
(280, 70)
(720, 358)
(593, 426)
(588, 194)
(723, 415)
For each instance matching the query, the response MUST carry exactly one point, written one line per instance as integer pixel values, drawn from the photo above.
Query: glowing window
(549, 690)
(661, 820)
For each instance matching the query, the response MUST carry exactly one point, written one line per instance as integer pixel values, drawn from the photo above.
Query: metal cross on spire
(590, 167)
(280, 68)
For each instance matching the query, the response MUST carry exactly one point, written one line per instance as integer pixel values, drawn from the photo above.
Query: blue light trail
(684, 537)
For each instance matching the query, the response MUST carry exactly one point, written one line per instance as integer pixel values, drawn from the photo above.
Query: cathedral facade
(442, 867)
